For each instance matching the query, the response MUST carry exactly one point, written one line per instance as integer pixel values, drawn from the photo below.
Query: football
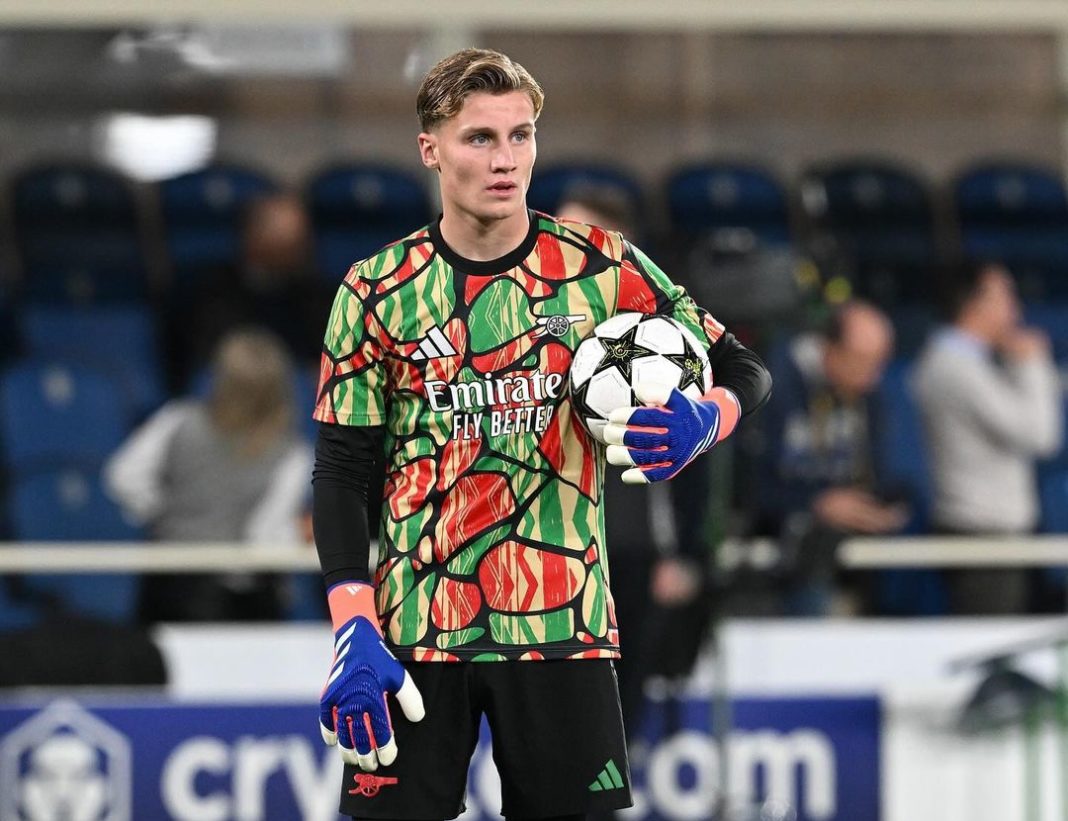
(629, 348)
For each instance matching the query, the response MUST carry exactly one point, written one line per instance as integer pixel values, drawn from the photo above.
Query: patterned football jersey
(492, 532)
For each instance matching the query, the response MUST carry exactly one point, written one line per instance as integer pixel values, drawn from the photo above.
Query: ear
(428, 149)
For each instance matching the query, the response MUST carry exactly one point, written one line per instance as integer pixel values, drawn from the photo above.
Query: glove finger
(363, 752)
(381, 727)
(636, 438)
(353, 738)
(387, 753)
(632, 457)
(645, 475)
(367, 762)
(349, 756)
(410, 699)
(327, 724)
(640, 417)
(618, 455)
(641, 438)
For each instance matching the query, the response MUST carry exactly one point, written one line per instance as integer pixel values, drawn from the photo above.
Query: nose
(503, 159)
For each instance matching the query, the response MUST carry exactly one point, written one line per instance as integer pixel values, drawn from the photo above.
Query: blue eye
(480, 139)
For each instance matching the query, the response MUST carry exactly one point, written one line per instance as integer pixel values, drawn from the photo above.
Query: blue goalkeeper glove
(352, 708)
(657, 442)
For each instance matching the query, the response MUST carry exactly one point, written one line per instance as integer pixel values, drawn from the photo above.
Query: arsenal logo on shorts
(368, 785)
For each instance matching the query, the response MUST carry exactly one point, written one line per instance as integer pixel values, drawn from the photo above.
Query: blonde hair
(251, 399)
(453, 79)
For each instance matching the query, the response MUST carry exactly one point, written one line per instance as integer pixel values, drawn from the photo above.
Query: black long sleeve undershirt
(347, 484)
(741, 371)
(349, 473)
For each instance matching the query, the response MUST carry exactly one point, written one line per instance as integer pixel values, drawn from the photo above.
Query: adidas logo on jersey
(434, 346)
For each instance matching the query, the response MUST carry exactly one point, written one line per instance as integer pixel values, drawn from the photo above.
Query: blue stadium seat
(879, 220)
(69, 505)
(549, 185)
(357, 209)
(1017, 213)
(78, 235)
(913, 324)
(711, 196)
(15, 614)
(1051, 317)
(66, 504)
(202, 214)
(54, 415)
(9, 339)
(1053, 496)
(119, 341)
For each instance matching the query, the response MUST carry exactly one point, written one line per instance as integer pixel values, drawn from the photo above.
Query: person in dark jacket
(819, 474)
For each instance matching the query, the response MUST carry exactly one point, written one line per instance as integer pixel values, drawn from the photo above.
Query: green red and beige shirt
(492, 532)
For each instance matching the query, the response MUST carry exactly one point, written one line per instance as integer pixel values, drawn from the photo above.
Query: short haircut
(835, 329)
(466, 72)
(961, 284)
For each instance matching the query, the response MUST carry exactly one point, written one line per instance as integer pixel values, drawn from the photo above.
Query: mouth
(502, 188)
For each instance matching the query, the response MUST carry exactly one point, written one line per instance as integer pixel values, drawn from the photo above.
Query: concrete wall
(647, 101)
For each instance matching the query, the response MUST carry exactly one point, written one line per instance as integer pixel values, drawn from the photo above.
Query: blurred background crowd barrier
(815, 173)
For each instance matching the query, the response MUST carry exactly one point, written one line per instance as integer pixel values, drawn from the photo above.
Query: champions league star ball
(627, 349)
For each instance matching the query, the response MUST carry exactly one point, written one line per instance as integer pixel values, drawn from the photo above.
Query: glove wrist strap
(730, 410)
(350, 599)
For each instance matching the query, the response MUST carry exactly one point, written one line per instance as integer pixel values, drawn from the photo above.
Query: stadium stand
(718, 195)
(358, 208)
(550, 184)
(1018, 214)
(120, 341)
(201, 214)
(78, 235)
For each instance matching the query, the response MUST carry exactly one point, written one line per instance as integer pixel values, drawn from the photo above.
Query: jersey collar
(489, 266)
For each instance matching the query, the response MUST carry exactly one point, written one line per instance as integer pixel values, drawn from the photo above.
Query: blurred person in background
(990, 398)
(659, 553)
(228, 468)
(819, 477)
(274, 285)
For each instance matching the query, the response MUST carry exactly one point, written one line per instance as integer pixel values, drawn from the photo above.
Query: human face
(996, 304)
(855, 363)
(484, 156)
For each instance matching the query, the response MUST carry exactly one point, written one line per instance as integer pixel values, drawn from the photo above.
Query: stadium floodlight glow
(149, 148)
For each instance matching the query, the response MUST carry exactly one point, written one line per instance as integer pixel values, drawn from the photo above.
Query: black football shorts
(558, 742)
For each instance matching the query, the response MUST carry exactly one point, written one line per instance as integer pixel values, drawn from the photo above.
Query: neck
(480, 240)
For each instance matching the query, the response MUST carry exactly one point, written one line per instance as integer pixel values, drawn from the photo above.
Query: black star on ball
(621, 352)
(691, 364)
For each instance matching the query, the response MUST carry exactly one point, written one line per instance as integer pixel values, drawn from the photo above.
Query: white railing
(156, 557)
(182, 557)
(954, 551)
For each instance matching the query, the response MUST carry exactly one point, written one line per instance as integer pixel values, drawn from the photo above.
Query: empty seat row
(81, 231)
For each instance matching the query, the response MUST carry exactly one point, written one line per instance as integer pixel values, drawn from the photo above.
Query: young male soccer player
(446, 355)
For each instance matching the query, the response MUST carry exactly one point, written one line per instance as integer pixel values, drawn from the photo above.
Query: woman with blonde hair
(226, 468)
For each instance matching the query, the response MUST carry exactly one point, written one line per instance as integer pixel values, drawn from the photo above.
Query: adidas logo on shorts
(608, 779)
(434, 346)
